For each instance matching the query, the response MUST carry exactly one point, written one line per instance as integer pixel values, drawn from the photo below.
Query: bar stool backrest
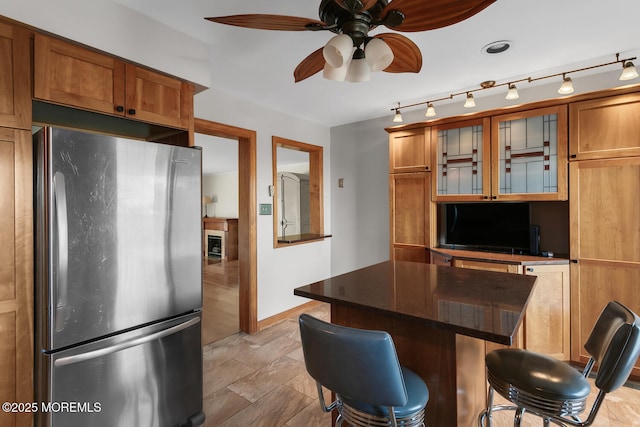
(614, 344)
(361, 365)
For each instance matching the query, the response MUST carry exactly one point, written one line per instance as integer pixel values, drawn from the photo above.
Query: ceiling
(257, 65)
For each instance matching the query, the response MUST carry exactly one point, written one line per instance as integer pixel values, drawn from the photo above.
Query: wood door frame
(247, 221)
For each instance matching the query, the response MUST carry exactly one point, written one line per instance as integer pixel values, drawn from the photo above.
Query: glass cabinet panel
(530, 153)
(461, 158)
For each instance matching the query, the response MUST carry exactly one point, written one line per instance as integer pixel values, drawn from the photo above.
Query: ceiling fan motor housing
(355, 23)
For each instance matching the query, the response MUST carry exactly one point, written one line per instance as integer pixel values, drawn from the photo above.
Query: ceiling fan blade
(309, 66)
(347, 4)
(406, 55)
(421, 15)
(268, 22)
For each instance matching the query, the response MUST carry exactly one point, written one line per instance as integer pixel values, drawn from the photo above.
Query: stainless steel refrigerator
(118, 282)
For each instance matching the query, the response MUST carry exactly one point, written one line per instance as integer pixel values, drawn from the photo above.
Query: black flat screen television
(500, 227)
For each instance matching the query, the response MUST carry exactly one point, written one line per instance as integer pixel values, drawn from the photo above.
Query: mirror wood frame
(316, 192)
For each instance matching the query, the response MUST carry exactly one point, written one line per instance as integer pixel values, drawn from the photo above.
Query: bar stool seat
(552, 389)
(417, 392)
(537, 382)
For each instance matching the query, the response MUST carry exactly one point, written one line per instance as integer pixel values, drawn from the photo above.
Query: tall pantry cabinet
(411, 226)
(604, 177)
(16, 224)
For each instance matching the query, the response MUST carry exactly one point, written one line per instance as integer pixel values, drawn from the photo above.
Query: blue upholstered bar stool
(554, 390)
(361, 367)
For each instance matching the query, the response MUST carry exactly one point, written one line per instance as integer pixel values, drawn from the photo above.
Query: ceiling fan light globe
(359, 71)
(336, 74)
(338, 50)
(378, 54)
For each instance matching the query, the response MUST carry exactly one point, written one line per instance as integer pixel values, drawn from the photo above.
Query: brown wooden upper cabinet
(68, 74)
(605, 128)
(515, 156)
(15, 77)
(410, 151)
(462, 160)
(529, 155)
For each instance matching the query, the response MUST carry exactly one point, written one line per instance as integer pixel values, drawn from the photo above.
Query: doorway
(247, 212)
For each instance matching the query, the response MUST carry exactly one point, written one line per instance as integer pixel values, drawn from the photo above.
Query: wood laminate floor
(220, 306)
(260, 380)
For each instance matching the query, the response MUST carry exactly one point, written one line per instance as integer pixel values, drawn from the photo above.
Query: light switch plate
(265, 209)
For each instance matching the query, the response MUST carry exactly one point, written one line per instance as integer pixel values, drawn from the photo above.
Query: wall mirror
(298, 195)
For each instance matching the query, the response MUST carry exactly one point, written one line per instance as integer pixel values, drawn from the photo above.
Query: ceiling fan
(352, 54)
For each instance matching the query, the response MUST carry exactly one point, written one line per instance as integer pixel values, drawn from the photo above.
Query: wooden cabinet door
(15, 77)
(410, 215)
(605, 128)
(156, 98)
(547, 322)
(68, 74)
(16, 273)
(604, 242)
(529, 155)
(461, 160)
(410, 151)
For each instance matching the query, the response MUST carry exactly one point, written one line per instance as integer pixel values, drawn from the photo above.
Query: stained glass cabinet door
(529, 155)
(462, 156)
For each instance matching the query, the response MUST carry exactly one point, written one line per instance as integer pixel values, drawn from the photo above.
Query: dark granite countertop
(480, 304)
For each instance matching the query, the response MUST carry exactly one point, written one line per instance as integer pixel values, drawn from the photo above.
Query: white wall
(283, 269)
(223, 187)
(359, 210)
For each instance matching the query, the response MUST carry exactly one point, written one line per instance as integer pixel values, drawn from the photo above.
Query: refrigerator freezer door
(122, 234)
(146, 377)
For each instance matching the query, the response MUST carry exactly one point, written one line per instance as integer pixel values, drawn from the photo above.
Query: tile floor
(260, 380)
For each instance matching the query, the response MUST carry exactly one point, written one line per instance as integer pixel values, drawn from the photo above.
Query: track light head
(566, 87)
(628, 71)
(470, 102)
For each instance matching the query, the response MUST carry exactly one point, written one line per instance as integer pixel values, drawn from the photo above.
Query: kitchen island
(439, 318)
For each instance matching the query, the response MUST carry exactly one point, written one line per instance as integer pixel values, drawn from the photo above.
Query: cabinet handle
(131, 111)
(575, 261)
(573, 156)
(119, 108)
(530, 270)
(426, 168)
(494, 197)
(485, 197)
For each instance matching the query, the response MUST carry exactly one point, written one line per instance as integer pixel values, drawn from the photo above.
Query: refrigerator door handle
(60, 201)
(69, 360)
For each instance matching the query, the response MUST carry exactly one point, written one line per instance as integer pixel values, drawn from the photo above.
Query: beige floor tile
(273, 410)
(261, 356)
(220, 376)
(311, 416)
(263, 381)
(222, 405)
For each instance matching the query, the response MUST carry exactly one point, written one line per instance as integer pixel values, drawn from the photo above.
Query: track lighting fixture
(567, 86)
(431, 111)
(629, 72)
(512, 93)
(398, 117)
(470, 102)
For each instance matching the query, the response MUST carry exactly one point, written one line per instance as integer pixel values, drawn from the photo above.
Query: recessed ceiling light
(497, 47)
